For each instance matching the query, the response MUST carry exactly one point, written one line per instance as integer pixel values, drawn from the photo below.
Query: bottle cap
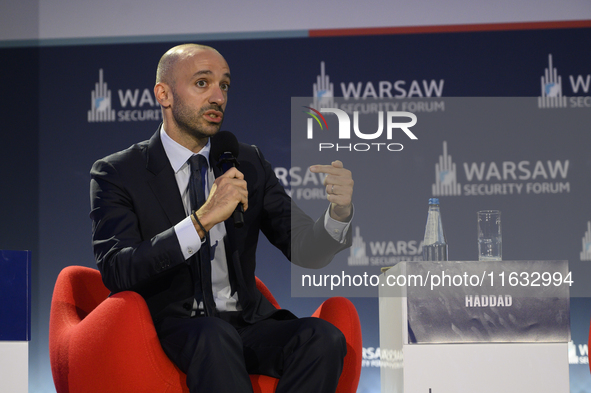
(433, 201)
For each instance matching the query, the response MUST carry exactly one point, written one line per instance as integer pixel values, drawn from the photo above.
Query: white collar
(178, 154)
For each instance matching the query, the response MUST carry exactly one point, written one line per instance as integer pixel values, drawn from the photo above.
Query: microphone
(224, 150)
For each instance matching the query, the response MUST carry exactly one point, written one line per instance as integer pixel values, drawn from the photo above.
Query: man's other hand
(339, 188)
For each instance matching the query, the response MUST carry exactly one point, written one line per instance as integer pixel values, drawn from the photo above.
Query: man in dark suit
(152, 235)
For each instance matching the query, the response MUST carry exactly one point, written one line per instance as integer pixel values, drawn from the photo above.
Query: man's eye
(225, 86)
(201, 83)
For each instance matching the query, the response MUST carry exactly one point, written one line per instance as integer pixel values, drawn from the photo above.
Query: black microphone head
(224, 142)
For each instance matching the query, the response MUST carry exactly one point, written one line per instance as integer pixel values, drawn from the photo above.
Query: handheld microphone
(225, 149)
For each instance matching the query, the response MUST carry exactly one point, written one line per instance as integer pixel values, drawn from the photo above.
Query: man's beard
(192, 123)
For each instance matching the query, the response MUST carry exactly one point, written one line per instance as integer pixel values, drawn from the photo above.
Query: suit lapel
(164, 180)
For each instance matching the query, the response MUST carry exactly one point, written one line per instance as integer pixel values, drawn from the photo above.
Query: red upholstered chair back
(78, 291)
(266, 293)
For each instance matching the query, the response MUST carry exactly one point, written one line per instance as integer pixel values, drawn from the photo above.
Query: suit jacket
(135, 203)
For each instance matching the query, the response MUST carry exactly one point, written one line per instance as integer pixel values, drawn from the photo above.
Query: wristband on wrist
(199, 223)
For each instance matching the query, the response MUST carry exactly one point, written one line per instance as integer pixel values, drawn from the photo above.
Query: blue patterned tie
(203, 291)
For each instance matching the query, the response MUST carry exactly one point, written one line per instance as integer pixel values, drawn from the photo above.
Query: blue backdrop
(49, 142)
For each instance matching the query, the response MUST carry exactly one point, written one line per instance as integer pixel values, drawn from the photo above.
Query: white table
(497, 359)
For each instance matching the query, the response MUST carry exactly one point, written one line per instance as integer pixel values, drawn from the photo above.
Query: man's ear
(163, 94)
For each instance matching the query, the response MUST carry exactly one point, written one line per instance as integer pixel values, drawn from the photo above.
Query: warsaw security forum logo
(358, 256)
(446, 181)
(100, 102)
(586, 253)
(551, 88)
(323, 90)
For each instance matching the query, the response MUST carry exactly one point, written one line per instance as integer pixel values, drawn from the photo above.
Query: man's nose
(217, 96)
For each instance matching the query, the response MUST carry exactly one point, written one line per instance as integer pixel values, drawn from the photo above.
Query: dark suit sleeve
(304, 241)
(127, 258)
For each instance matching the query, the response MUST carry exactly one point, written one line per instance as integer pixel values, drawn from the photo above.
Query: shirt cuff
(188, 237)
(336, 229)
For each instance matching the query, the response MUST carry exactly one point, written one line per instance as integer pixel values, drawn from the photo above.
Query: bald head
(192, 84)
(168, 61)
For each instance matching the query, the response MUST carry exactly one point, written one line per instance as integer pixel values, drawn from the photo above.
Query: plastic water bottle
(434, 244)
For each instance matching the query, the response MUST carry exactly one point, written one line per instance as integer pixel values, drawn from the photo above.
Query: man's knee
(324, 337)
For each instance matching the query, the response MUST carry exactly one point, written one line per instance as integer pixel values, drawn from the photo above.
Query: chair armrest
(342, 313)
(266, 293)
(116, 348)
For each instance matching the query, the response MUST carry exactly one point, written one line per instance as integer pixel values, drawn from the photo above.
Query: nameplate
(474, 301)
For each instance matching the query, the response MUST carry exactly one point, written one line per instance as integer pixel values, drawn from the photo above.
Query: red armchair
(108, 344)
